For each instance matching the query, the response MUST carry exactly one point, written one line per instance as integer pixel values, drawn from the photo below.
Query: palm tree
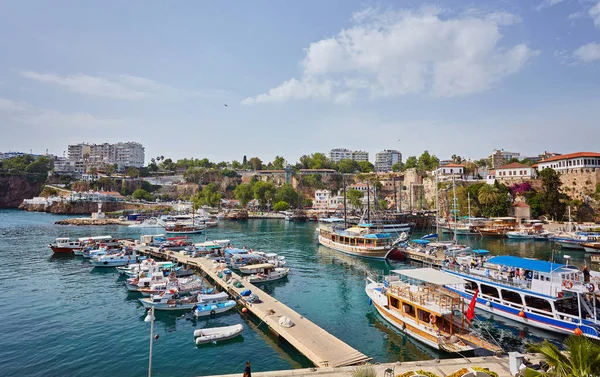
(488, 194)
(581, 358)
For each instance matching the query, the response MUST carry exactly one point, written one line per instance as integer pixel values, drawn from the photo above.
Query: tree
(427, 162)
(355, 198)
(411, 162)
(470, 167)
(256, 163)
(365, 167)
(382, 205)
(319, 161)
(398, 166)
(142, 194)
(488, 195)
(167, 165)
(279, 163)
(42, 165)
(236, 165)
(209, 196)
(347, 166)
(264, 192)
(244, 193)
(281, 206)
(552, 199)
(457, 159)
(133, 172)
(286, 193)
(580, 359)
(193, 174)
(482, 163)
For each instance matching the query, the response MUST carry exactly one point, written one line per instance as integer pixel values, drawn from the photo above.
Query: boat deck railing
(497, 278)
(427, 297)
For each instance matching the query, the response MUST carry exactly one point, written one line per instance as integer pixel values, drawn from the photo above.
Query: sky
(224, 79)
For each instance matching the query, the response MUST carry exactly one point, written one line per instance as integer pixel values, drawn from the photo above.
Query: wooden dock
(320, 347)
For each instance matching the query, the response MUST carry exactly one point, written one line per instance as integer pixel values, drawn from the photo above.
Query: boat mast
(345, 211)
(368, 203)
(437, 205)
(454, 206)
(469, 202)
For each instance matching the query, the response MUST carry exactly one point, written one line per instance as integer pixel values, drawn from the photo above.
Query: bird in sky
(225, 104)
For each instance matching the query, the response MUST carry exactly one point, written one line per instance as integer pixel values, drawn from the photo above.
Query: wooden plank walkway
(322, 348)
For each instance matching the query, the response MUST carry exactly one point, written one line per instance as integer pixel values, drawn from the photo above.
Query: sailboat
(185, 227)
(360, 241)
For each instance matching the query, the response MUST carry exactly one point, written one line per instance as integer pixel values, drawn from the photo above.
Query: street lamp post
(150, 318)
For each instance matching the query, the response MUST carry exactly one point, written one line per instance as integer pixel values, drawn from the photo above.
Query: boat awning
(422, 242)
(430, 275)
(526, 263)
(481, 251)
(95, 238)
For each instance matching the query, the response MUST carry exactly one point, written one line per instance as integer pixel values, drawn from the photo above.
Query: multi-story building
(100, 155)
(338, 154)
(385, 159)
(500, 157)
(64, 166)
(572, 161)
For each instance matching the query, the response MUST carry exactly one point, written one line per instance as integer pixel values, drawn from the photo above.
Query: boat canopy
(430, 275)
(378, 235)
(331, 220)
(422, 242)
(526, 263)
(480, 251)
(236, 251)
(213, 243)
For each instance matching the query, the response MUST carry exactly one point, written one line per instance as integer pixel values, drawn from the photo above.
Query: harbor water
(61, 317)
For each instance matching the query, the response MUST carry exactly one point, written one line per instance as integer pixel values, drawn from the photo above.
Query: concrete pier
(320, 347)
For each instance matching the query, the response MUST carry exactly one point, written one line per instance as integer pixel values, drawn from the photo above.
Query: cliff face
(14, 188)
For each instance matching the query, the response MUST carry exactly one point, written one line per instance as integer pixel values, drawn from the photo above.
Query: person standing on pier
(247, 371)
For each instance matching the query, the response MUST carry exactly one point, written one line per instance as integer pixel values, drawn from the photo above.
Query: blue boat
(202, 310)
(538, 293)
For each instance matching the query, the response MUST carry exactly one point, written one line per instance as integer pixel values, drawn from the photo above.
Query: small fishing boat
(215, 334)
(205, 309)
(116, 260)
(520, 235)
(65, 245)
(146, 279)
(416, 302)
(169, 301)
(268, 272)
(190, 228)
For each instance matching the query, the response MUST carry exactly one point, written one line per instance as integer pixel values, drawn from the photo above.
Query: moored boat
(215, 334)
(205, 309)
(416, 302)
(268, 272)
(542, 294)
(592, 247)
(360, 242)
(169, 301)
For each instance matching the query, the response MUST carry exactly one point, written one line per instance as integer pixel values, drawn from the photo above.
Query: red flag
(471, 311)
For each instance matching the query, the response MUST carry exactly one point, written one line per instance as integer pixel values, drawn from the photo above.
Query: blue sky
(301, 76)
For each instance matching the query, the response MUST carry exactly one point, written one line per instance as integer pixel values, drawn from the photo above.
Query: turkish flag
(471, 311)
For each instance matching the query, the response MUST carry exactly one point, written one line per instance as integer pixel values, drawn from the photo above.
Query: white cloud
(8, 105)
(594, 12)
(547, 4)
(53, 119)
(396, 53)
(125, 87)
(588, 53)
(575, 15)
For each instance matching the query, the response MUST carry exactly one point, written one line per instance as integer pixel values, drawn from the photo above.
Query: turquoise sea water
(60, 317)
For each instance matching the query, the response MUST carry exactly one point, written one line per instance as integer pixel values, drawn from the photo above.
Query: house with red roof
(451, 169)
(572, 162)
(515, 171)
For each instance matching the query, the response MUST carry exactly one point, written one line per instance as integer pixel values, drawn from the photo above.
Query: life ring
(212, 313)
(432, 318)
(568, 284)
(591, 288)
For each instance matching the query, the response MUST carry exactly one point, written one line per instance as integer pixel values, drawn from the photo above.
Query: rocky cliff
(15, 188)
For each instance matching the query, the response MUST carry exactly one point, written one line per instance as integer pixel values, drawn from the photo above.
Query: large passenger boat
(416, 302)
(361, 242)
(542, 294)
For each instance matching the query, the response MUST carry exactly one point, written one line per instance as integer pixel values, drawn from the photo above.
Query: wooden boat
(360, 242)
(217, 333)
(190, 228)
(416, 302)
(498, 227)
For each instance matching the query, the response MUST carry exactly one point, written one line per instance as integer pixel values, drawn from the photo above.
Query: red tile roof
(571, 155)
(514, 165)
(453, 166)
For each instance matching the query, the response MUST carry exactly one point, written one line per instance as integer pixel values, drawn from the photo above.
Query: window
(511, 296)
(538, 304)
(489, 291)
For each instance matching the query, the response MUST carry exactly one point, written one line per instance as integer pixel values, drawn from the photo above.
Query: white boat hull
(213, 309)
(216, 334)
(373, 252)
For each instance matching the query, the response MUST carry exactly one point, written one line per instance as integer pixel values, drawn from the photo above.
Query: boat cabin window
(536, 275)
(408, 309)
(394, 302)
(538, 303)
(511, 296)
(470, 286)
(425, 316)
(489, 291)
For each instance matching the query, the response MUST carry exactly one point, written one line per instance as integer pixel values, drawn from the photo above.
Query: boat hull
(212, 309)
(165, 306)
(520, 236)
(217, 334)
(591, 249)
(374, 253)
(570, 245)
(63, 250)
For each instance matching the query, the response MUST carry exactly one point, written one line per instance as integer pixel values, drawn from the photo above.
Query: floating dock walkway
(320, 347)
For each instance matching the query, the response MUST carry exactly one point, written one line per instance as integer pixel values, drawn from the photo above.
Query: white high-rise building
(338, 154)
(99, 155)
(385, 159)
